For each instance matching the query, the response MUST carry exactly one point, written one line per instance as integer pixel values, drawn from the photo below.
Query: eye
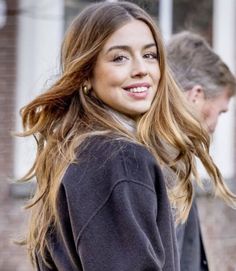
(223, 111)
(150, 55)
(119, 58)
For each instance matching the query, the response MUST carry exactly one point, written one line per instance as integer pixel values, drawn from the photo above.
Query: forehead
(133, 33)
(222, 99)
(224, 94)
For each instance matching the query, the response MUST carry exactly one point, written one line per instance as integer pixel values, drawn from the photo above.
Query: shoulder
(103, 146)
(117, 159)
(105, 166)
(103, 162)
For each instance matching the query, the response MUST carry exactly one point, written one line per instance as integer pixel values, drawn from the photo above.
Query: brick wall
(8, 36)
(12, 217)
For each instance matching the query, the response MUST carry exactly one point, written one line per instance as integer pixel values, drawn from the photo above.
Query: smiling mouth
(137, 90)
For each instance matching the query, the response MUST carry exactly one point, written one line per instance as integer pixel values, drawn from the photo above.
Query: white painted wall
(3, 17)
(39, 37)
(166, 18)
(224, 30)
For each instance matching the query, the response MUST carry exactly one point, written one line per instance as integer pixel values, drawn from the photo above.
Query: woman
(104, 131)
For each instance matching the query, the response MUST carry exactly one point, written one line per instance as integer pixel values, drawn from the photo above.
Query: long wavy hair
(61, 118)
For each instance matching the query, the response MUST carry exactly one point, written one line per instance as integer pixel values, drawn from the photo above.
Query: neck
(124, 120)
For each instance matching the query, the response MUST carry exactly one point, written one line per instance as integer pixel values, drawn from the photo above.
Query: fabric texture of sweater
(114, 213)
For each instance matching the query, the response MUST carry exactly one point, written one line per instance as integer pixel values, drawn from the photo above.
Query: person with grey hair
(206, 80)
(208, 85)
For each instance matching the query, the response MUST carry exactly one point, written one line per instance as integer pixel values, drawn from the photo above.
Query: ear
(195, 94)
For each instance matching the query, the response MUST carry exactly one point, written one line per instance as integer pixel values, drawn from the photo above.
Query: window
(195, 15)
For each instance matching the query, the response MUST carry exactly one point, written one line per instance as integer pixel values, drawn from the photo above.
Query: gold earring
(85, 89)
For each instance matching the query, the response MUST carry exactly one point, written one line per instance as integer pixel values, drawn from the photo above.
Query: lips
(137, 88)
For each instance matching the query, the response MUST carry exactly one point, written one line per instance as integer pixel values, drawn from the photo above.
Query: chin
(137, 111)
(143, 109)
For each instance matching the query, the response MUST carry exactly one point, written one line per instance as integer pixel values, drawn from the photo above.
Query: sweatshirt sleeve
(122, 235)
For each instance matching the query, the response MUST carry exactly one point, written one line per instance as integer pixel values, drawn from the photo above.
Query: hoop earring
(85, 89)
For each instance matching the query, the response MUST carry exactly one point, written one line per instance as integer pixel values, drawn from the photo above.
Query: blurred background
(30, 36)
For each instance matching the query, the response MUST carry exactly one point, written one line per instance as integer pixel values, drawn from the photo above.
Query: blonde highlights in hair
(62, 117)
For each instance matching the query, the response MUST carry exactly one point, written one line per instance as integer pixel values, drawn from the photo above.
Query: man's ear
(195, 94)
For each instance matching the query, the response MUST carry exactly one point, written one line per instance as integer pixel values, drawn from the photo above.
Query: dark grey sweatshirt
(114, 214)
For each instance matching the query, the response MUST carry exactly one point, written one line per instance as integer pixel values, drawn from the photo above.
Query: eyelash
(120, 58)
(153, 55)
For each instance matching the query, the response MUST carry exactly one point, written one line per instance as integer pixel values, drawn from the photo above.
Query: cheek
(206, 113)
(156, 74)
(210, 116)
(116, 76)
(111, 77)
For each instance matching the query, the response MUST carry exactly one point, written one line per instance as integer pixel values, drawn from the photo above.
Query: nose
(139, 68)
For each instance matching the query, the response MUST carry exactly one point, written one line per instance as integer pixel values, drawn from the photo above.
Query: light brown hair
(62, 117)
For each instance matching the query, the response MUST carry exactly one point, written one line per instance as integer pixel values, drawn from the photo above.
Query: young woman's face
(127, 73)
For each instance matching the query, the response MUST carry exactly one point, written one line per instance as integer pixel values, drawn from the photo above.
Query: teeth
(138, 90)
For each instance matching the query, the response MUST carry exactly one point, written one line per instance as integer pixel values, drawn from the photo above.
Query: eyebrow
(127, 48)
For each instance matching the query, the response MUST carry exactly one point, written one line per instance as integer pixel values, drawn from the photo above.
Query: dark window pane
(194, 15)
(152, 7)
(73, 7)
